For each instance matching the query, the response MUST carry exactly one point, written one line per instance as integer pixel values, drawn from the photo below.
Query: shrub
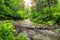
(9, 8)
(21, 37)
(7, 31)
(57, 30)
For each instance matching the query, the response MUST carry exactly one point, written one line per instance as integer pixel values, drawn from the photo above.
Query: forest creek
(42, 32)
(29, 19)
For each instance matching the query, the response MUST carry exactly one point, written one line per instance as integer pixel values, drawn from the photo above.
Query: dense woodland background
(44, 11)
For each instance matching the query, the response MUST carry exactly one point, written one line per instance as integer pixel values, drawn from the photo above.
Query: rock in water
(24, 23)
(35, 34)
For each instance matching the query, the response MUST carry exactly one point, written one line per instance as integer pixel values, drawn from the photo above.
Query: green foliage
(48, 13)
(21, 37)
(57, 30)
(43, 12)
(7, 31)
(9, 8)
